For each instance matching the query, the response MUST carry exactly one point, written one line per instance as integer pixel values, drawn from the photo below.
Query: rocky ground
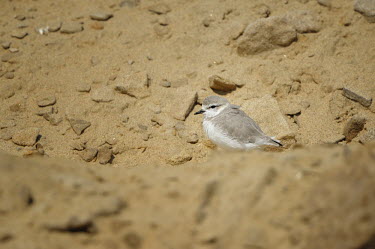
(115, 83)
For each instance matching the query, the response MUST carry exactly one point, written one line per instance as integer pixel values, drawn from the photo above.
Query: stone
(88, 154)
(162, 31)
(291, 109)
(11, 58)
(183, 102)
(180, 158)
(366, 8)
(266, 112)
(159, 9)
(7, 91)
(101, 16)
(26, 137)
(46, 101)
(104, 155)
(79, 125)
(9, 75)
(71, 28)
(84, 87)
(5, 45)
(132, 240)
(130, 3)
(266, 34)
(19, 34)
(6, 134)
(135, 85)
(353, 127)
(325, 3)
(366, 102)
(7, 123)
(102, 94)
(77, 145)
(166, 84)
(303, 21)
(192, 138)
(218, 83)
(368, 136)
(54, 26)
(14, 50)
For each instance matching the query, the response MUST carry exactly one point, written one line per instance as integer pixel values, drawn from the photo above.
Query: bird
(231, 128)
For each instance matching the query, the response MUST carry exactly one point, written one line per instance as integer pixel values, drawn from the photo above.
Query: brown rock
(366, 102)
(104, 155)
(184, 101)
(88, 154)
(71, 28)
(179, 158)
(19, 34)
(353, 127)
(46, 101)
(366, 8)
(135, 85)
(368, 136)
(79, 125)
(218, 83)
(101, 16)
(103, 94)
(26, 137)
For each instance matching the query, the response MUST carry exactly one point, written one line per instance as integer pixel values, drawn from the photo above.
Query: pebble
(132, 240)
(14, 50)
(5, 134)
(184, 101)
(101, 16)
(46, 101)
(165, 84)
(353, 127)
(130, 3)
(7, 123)
(104, 155)
(192, 138)
(20, 17)
(366, 8)
(162, 31)
(77, 145)
(134, 85)
(367, 137)
(54, 26)
(325, 3)
(53, 119)
(88, 154)
(366, 102)
(159, 9)
(19, 34)
(84, 87)
(179, 158)
(71, 28)
(79, 125)
(218, 83)
(26, 137)
(5, 45)
(103, 94)
(9, 75)
(10, 57)
(266, 34)
(303, 21)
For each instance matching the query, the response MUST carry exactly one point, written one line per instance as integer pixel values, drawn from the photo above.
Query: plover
(229, 127)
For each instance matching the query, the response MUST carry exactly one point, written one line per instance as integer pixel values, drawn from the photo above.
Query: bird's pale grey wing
(236, 124)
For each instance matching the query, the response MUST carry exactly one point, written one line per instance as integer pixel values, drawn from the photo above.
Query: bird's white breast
(219, 137)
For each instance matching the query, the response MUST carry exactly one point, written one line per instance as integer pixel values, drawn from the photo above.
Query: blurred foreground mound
(320, 197)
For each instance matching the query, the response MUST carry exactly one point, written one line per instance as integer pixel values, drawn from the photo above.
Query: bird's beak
(199, 112)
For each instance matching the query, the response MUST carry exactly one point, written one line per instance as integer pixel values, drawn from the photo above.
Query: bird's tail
(273, 141)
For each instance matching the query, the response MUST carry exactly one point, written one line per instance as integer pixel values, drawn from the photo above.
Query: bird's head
(212, 106)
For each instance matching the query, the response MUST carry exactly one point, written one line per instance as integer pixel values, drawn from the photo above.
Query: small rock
(19, 34)
(145, 136)
(71, 28)
(88, 154)
(192, 138)
(14, 50)
(79, 125)
(325, 3)
(9, 75)
(367, 137)
(103, 94)
(135, 85)
(353, 127)
(180, 158)
(26, 137)
(266, 34)
(77, 145)
(366, 8)
(104, 155)
(130, 3)
(97, 26)
(5, 45)
(101, 16)
(218, 83)
(132, 240)
(46, 101)
(162, 31)
(54, 26)
(20, 17)
(303, 21)
(291, 110)
(7, 123)
(160, 9)
(165, 83)
(84, 87)
(184, 102)
(5, 134)
(155, 109)
(179, 82)
(366, 102)
(54, 119)
(10, 57)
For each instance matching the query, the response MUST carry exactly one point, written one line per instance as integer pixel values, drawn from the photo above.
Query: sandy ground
(112, 85)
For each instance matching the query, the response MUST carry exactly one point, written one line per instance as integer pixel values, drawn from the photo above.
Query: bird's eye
(213, 106)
